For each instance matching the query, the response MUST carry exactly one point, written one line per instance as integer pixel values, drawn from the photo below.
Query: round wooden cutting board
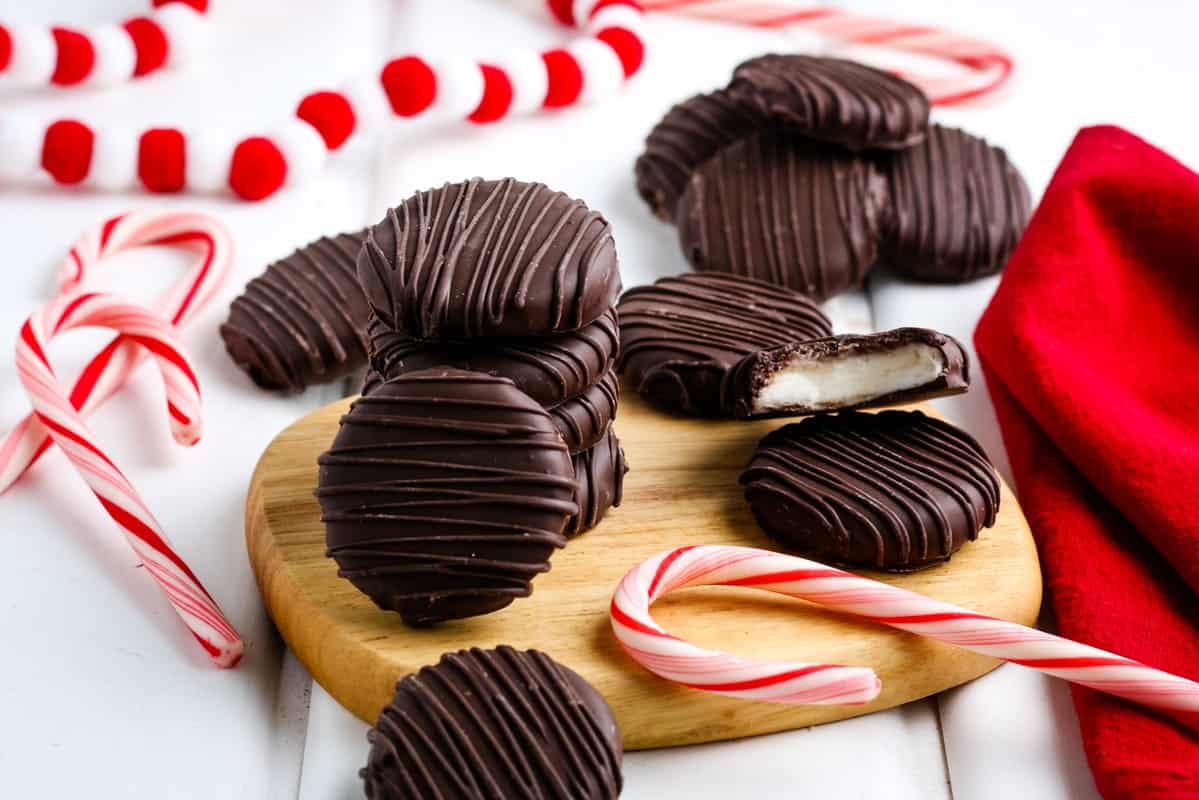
(682, 489)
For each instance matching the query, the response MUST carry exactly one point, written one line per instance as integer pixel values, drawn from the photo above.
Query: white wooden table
(102, 693)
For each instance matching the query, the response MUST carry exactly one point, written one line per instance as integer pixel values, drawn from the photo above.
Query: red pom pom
(76, 56)
(565, 78)
(5, 47)
(331, 114)
(497, 95)
(628, 46)
(67, 150)
(410, 84)
(258, 168)
(161, 158)
(198, 5)
(149, 42)
(564, 10)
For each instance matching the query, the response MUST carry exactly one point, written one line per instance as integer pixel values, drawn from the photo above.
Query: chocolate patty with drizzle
(489, 258)
(682, 336)
(801, 215)
(444, 494)
(896, 490)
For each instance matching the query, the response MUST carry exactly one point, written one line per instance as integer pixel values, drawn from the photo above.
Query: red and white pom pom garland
(590, 68)
(104, 55)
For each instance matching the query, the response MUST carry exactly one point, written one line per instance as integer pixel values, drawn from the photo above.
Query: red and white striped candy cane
(445, 86)
(110, 368)
(985, 66)
(784, 682)
(103, 55)
(66, 427)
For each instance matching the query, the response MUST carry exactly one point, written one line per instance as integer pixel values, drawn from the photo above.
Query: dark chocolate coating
(958, 208)
(896, 490)
(757, 369)
(600, 474)
(834, 100)
(550, 370)
(682, 336)
(489, 258)
(584, 419)
(303, 320)
(444, 494)
(797, 214)
(691, 132)
(499, 723)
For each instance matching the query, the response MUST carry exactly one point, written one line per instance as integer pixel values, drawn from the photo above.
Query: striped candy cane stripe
(104, 55)
(67, 428)
(985, 67)
(842, 591)
(110, 368)
(609, 50)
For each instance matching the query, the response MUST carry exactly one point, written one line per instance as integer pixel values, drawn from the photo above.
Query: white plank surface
(100, 676)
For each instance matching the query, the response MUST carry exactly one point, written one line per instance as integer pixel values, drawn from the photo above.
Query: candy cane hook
(783, 682)
(191, 601)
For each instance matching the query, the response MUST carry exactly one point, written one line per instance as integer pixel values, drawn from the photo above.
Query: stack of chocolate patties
(483, 439)
(804, 171)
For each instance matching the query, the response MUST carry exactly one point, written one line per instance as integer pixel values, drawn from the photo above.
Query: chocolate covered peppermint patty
(958, 208)
(489, 258)
(849, 371)
(551, 370)
(849, 104)
(444, 494)
(691, 132)
(682, 335)
(896, 490)
(303, 321)
(500, 723)
(600, 473)
(799, 215)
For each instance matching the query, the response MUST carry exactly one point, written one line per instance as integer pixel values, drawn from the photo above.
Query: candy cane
(785, 682)
(111, 367)
(67, 428)
(104, 55)
(987, 66)
(446, 86)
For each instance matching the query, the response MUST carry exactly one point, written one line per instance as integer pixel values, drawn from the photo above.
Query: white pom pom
(617, 17)
(459, 88)
(114, 159)
(303, 148)
(369, 101)
(21, 139)
(526, 72)
(602, 71)
(582, 11)
(116, 56)
(208, 156)
(186, 30)
(34, 56)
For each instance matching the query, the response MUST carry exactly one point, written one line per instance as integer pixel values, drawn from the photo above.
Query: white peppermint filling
(820, 384)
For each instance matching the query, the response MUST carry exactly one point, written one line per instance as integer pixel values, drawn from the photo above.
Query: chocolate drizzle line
(897, 490)
(550, 370)
(500, 723)
(844, 102)
(583, 420)
(600, 474)
(489, 258)
(444, 493)
(682, 336)
(303, 320)
(691, 132)
(959, 208)
(798, 215)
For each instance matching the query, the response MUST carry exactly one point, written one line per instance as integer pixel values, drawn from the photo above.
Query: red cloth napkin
(1091, 351)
